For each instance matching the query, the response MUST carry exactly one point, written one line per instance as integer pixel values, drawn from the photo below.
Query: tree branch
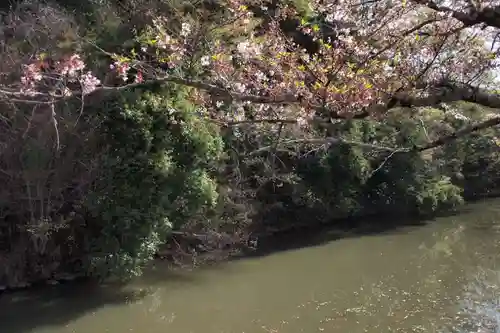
(446, 92)
(430, 145)
(330, 141)
(441, 92)
(458, 134)
(489, 15)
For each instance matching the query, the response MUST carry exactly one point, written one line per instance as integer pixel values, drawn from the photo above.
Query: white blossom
(248, 49)
(205, 60)
(239, 87)
(301, 121)
(185, 29)
(260, 76)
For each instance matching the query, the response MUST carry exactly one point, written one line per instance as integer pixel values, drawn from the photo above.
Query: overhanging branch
(441, 92)
(488, 15)
(495, 121)
(446, 92)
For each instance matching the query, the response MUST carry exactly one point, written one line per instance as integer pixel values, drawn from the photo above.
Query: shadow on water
(27, 310)
(23, 311)
(309, 236)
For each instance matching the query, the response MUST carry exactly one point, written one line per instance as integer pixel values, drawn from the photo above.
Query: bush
(154, 176)
(349, 180)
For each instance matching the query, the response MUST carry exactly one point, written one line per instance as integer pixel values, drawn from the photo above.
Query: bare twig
(82, 106)
(424, 129)
(54, 123)
(30, 121)
(381, 165)
(327, 141)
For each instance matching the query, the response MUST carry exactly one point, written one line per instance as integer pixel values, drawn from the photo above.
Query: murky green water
(413, 279)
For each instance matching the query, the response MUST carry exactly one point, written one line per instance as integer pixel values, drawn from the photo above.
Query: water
(441, 277)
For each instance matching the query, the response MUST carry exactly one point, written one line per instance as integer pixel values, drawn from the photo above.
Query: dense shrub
(138, 165)
(155, 175)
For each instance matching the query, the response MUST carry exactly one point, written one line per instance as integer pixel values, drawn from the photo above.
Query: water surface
(412, 279)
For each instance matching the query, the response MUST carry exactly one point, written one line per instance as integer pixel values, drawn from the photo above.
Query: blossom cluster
(379, 49)
(371, 50)
(49, 75)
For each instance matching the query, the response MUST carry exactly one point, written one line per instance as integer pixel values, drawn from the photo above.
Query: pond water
(440, 277)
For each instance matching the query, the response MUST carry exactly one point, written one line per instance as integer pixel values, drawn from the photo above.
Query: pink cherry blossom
(381, 48)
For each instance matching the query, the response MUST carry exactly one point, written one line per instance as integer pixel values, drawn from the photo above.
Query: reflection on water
(441, 277)
(480, 304)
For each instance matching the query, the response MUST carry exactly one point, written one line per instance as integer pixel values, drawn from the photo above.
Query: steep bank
(198, 250)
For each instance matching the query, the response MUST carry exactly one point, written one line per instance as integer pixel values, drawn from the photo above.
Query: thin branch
(495, 121)
(424, 129)
(430, 145)
(53, 120)
(381, 165)
(82, 106)
(30, 120)
(327, 141)
(403, 35)
(259, 121)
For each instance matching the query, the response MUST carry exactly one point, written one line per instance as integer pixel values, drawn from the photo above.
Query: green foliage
(348, 179)
(166, 173)
(154, 176)
(337, 175)
(473, 162)
(437, 194)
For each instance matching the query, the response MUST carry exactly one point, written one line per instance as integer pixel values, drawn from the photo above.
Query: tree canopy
(369, 57)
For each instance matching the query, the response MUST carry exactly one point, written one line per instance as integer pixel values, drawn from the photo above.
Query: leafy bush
(154, 176)
(350, 180)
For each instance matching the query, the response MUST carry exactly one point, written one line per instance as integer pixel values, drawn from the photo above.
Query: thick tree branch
(489, 15)
(446, 92)
(442, 92)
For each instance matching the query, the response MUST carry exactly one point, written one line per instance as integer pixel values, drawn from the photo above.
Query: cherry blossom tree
(378, 55)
